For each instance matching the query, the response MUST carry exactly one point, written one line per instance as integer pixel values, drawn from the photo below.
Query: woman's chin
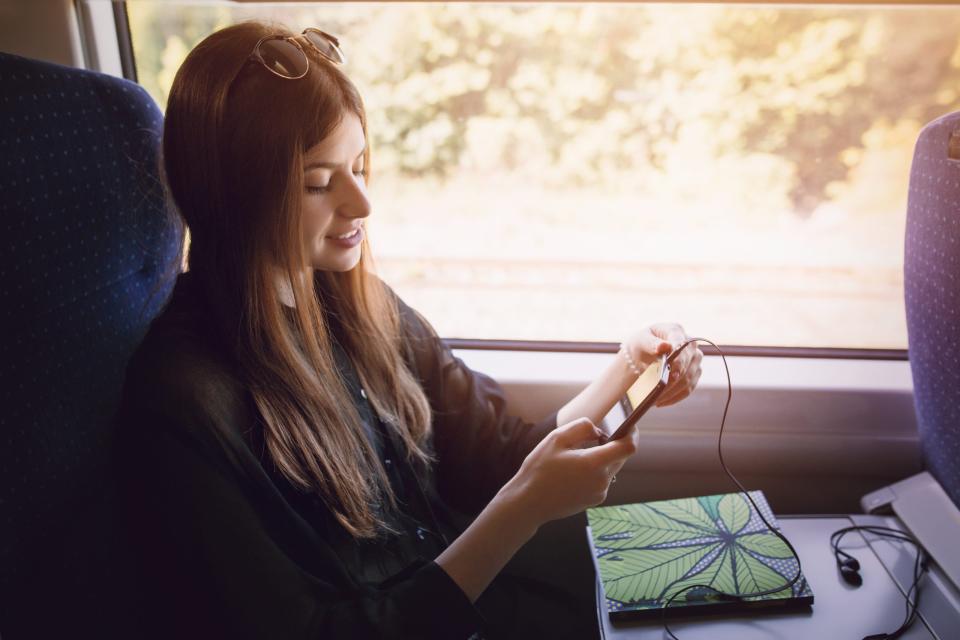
(345, 261)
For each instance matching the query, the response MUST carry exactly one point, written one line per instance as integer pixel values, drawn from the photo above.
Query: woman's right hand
(561, 477)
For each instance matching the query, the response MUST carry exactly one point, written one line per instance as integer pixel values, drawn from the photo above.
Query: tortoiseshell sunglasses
(284, 56)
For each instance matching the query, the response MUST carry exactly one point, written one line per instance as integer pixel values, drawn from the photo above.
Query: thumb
(577, 432)
(613, 452)
(655, 345)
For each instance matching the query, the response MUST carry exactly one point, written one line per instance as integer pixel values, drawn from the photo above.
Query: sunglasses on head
(284, 56)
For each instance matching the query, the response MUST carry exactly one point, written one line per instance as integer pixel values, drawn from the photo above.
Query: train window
(570, 171)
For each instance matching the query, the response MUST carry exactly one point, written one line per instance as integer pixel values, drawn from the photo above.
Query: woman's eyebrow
(329, 165)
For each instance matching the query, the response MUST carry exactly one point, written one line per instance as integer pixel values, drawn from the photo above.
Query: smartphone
(643, 393)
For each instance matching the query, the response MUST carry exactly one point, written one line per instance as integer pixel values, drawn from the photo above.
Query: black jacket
(230, 549)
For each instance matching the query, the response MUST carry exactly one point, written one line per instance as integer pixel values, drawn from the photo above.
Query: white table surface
(839, 612)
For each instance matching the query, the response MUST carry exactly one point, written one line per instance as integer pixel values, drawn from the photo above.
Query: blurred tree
(602, 95)
(818, 81)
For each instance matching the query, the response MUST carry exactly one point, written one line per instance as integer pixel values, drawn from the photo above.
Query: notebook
(646, 552)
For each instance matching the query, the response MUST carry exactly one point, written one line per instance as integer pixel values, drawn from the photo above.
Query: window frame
(569, 346)
(843, 420)
(815, 433)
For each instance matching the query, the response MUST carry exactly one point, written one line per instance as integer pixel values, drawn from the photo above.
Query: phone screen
(643, 393)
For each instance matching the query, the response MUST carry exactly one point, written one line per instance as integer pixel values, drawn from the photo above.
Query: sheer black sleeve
(479, 445)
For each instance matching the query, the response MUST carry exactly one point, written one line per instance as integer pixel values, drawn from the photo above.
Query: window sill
(814, 433)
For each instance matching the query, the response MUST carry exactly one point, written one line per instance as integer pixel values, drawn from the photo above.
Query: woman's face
(335, 198)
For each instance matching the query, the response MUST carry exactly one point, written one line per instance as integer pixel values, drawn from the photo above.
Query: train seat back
(932, 296)
(89, 254)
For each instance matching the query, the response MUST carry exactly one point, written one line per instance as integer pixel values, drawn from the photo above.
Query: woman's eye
(326, 188)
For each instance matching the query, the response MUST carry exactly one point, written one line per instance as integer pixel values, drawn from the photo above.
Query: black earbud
(849, 568)
(848, 560)
(850, 575)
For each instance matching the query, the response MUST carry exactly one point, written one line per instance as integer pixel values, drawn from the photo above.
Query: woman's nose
(355, 203)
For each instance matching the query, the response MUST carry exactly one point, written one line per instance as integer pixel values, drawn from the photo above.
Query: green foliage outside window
(756, 155)
(566, 81)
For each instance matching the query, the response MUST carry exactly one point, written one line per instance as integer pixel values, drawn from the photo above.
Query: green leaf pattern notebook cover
(646, 552)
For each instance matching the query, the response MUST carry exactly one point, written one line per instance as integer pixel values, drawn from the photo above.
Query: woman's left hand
(662, 338)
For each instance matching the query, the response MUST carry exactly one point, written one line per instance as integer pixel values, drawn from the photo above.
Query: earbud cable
(912, 601)
(919, 565)
(734, 597)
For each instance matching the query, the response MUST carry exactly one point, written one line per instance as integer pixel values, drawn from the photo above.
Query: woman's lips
(351, 240)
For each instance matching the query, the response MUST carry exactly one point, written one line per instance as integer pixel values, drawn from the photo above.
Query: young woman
(295, 440)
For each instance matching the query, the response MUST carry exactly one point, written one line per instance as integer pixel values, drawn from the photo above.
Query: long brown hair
(233, 147)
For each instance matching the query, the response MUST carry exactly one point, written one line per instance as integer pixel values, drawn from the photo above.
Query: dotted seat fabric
(932, 296)
(89, 255)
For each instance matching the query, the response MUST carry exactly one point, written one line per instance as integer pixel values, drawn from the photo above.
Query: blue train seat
(89, 255)
(932, 296)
